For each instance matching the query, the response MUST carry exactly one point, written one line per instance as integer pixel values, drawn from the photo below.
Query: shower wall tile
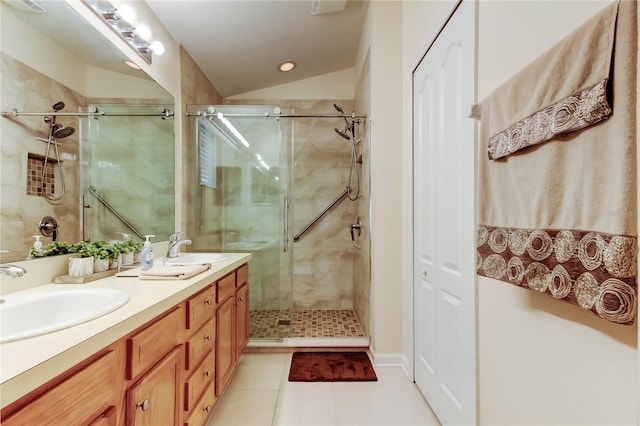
(26, 89)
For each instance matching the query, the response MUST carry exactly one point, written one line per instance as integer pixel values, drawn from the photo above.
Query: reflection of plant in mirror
(98, 249)
(53, 249)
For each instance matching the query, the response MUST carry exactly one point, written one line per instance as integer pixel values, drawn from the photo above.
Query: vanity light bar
(121, 22)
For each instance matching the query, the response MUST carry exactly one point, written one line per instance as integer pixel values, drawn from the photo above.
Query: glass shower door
(127, 172)
(239, 195)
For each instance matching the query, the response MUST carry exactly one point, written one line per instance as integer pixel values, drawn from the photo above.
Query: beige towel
(583, 180)
(173, 272)
(561, 91)
(560, 217)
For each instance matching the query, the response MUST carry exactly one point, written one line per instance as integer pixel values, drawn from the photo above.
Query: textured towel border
(595, 271)
(577, 111)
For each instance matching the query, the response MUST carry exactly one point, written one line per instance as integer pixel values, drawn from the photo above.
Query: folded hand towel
(173, 272)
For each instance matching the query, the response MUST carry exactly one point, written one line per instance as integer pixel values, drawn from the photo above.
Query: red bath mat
(331, 367)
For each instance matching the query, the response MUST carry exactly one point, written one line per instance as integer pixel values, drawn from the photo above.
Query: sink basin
(195, 259)
(33, 314)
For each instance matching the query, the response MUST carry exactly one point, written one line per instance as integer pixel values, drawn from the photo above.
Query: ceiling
(239, 44)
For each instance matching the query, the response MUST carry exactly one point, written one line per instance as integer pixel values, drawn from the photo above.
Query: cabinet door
(242, 319)
(155, 398)
(225, 344)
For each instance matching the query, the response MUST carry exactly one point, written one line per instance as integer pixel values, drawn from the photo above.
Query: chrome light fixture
(122, 22)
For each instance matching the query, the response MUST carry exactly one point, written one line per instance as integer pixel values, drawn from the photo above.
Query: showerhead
(341, 111)
(344, 133)
(58, 106)
(63, 132)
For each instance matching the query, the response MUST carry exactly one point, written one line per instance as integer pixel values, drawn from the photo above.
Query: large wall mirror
(92, 143)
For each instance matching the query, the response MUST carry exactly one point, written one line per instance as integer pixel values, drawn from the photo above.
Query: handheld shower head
(341, 111)
(58, 106)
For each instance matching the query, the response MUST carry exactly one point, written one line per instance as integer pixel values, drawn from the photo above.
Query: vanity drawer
(226, 287)
(201, 307)
(201, 411)
(150, 344)
(200, 343)
(202, 377)
(242, 274)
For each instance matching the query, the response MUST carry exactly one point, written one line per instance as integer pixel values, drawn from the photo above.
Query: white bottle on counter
(146, 255)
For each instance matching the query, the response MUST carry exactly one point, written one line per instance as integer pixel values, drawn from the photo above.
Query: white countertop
(28, 363)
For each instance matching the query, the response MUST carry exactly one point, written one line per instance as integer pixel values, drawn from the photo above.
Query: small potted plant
(82, 264)
(127, 248)
(101, 255)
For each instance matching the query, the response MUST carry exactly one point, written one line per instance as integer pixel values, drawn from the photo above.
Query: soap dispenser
(146, 255)
(37, 244)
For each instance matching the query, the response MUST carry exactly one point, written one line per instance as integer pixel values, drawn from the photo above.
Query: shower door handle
(285, 236)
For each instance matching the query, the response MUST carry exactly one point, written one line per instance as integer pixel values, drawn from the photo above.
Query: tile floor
(260, 394)
(304, 323)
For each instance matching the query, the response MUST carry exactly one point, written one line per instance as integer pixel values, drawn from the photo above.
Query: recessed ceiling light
(287, 66)
(131, 64)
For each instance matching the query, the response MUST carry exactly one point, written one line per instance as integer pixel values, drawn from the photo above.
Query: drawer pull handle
(207, 373)
(207, 408)
(207, 338)
(239, 302)
(144, 405)
(208, 302)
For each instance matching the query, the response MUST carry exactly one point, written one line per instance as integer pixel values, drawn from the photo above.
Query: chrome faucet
(174, 244)
(12, 270)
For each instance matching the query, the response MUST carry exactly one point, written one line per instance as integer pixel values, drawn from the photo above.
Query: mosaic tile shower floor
(268, 324)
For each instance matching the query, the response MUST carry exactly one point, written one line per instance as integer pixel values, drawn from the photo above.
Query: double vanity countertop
(28, 363)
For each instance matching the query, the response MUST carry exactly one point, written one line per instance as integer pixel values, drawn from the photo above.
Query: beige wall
(540, 361)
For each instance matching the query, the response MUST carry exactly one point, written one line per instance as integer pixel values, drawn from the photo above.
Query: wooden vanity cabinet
(82, 395)
(170, 371)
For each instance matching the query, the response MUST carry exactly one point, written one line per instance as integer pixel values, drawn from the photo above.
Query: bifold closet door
(444, 249)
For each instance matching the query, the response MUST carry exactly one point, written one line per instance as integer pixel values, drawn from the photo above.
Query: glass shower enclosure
(127, 172)
(239, 200)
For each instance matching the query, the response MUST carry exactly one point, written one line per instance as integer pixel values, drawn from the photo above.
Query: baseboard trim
(391, 360)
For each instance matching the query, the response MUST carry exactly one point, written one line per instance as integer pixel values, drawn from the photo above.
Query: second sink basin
(40, 312)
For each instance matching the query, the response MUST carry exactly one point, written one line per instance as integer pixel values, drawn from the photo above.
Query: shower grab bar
(92, 190)
(321, 215)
